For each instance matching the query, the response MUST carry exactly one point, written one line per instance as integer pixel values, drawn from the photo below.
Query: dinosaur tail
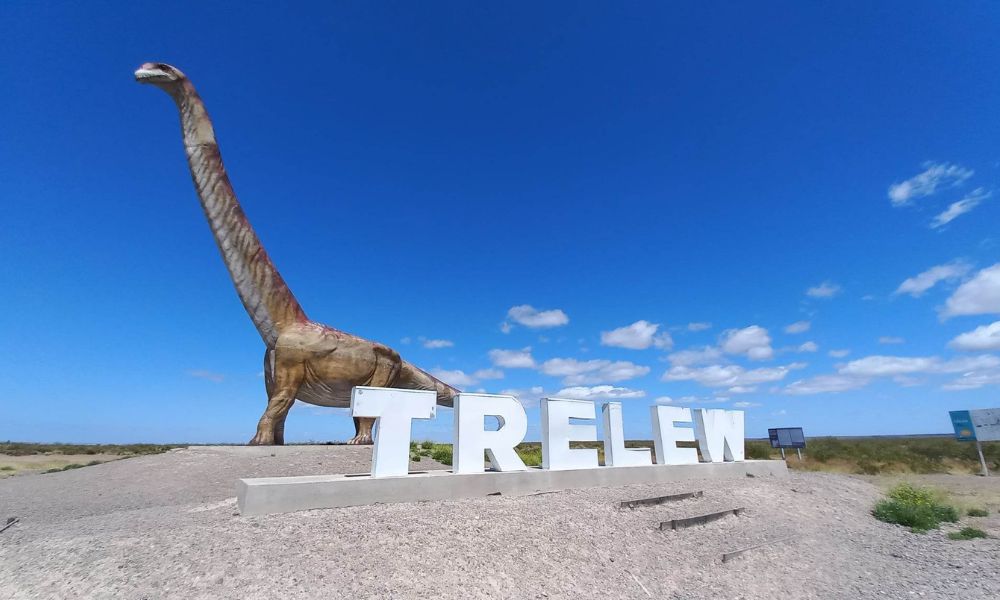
(412, 377)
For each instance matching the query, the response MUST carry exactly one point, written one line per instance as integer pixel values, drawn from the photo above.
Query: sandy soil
(166, 526)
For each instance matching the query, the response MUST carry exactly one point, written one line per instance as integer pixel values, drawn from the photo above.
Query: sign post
(977, 426)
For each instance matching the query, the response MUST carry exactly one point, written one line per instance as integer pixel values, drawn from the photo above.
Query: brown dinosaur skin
(304, 359)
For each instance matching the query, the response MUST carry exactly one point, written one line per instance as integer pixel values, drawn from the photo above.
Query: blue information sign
(961, 420)
(787, 437)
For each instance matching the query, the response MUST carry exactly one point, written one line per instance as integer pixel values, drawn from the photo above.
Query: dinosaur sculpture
(304, 359)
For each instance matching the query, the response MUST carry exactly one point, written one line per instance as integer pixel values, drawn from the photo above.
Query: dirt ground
(166, 526)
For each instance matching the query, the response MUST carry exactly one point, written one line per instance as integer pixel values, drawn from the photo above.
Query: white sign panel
(987, 424)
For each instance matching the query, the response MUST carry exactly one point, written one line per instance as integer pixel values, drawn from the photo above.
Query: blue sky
(789, 208)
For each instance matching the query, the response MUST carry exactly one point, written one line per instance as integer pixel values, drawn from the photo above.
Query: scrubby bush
(27, 448)
(442, 453)
(967, 533)
(531, 455)
(978, 512)
(758, 450)
(914, 507)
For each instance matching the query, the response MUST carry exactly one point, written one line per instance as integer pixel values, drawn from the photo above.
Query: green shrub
(978, 512)
(967, 533)
(442, 453)
(913, 507)
(26, 448)
(758, 450)
(6, 468)
(531, 455)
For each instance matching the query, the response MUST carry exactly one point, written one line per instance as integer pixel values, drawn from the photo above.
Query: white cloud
(753, 341)
(577, 372)
(697, 400)
(207, 375)
(664, 400)
(779, 413)
(699, 326)
(599, 392)
(527, 397)
(976, 371)
(432, 344)
(824, 384)
(959, 208)
(728, 375)
(980, 295)
(839, 353)
(405, 341)
(823, 290)
(637, 336)
(973, 380)
(888, 366)
(891, 339)
(505, 327)
(531, 317)
(808, 347)
(745, 404)
(488, 374)
(741, 389)
(513, 359)
(927, 183)
(456, 377)
(985, 337)
(798, 327)
(918, 284)
(695, 356)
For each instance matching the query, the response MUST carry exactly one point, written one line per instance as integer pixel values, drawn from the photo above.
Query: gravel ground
(166, 526)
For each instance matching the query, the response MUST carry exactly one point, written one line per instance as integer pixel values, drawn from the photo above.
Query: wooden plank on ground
(728, 556)
(700, 519)
(660, 499)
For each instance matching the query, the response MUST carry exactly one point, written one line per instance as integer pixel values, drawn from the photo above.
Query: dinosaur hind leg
(284, 386)
(386, 373)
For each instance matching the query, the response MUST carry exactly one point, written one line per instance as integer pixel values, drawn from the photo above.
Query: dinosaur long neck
(267, 299)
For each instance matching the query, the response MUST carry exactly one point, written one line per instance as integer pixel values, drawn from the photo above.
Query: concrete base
(287, 494)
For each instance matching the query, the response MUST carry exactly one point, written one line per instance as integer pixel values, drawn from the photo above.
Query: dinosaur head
(160, 74)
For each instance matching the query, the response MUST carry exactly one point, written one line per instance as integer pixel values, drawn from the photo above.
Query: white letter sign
(471, 440)
(615, 452)
(719, 433)
(666, 436)
(394, 411)
(557, 432)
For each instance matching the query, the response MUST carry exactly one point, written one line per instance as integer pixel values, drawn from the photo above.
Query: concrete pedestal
(287, 494)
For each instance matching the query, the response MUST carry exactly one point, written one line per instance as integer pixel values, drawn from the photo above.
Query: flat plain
(166, 526)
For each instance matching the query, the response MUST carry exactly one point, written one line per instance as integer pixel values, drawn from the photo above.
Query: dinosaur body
(304, 359)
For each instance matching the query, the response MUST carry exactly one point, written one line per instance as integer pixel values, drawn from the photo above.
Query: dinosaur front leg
(281, 395)
(279, 431)
(363, 431)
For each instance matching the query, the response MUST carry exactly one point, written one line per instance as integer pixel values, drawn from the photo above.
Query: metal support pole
(982, 459)
(799, 452)
(782, 454)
